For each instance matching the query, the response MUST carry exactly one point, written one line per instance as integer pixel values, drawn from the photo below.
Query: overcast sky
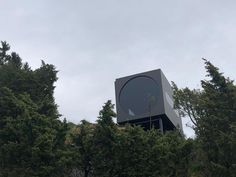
(93, 42)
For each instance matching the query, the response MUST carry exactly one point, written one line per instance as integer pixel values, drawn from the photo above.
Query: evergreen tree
(83, 150)
(104, 140)
(31, 136)
(213, 111)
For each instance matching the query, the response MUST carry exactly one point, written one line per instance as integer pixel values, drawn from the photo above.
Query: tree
(213, 113)
(26, 145)
(83, 150)
(104, 140)
(31, 136)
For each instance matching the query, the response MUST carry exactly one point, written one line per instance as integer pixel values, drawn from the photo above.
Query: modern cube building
(146, 99)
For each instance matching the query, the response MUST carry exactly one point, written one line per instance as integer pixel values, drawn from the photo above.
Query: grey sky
(94, 42)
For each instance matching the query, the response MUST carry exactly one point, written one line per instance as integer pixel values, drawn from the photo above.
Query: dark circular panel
(139, 96)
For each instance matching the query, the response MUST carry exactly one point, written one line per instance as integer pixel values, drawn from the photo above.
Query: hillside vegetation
(34, 142)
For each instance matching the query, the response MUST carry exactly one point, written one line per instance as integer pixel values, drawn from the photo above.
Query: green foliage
(31, 135)
(213, 113)
(104, 140)
(105, 149)
(35, 143)
(83, 148)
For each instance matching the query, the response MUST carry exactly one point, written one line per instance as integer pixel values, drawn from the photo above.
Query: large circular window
(139, 96)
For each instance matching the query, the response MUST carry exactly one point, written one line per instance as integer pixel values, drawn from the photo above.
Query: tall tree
(104, 140)
(31, 135)
(213, 112)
